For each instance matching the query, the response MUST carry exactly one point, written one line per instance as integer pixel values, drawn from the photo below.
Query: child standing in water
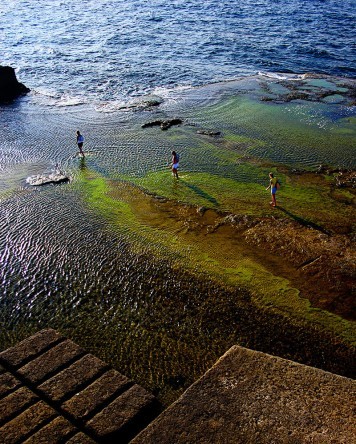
(80, 141)
(175, 164)
(273, 185)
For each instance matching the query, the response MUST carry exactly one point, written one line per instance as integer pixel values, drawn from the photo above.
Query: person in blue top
(80, 141)
(273, 181)
(175, 164)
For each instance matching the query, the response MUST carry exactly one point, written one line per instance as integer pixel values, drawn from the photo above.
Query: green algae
(7, 194)
(306, 202)
(105, 198)
(242, 143)
(291, 133)
(215, 257)
(346, 127)
(230, 174)
(208, 190)
(269, 290)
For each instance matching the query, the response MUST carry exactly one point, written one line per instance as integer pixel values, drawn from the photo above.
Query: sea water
(83, 51)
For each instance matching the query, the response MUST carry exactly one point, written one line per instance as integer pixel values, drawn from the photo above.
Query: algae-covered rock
(209, 133)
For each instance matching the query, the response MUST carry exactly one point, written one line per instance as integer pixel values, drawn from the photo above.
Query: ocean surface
(111, 50)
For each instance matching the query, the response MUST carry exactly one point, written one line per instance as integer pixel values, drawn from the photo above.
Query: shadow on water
(304, 222)
(200, 192)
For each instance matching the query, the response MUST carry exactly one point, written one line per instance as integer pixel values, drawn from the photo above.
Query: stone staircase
(52, 391)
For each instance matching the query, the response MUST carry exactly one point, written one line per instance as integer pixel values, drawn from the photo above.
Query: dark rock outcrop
(10, 87)
(164, 124)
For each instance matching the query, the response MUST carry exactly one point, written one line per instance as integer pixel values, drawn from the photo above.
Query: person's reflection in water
(82, 165)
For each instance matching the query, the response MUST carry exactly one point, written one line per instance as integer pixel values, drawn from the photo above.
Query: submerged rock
(346, 179)
(10, 87)
(209, 133)
(145, 104)
(40, 179)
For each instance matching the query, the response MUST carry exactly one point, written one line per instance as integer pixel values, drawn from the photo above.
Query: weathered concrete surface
(97, 394)
(8, 382)
(72, 378)
(53, 391)
(55, 432)
(16, 402)
(30, 347)
(135, 403)
(252, 397)
(26, 423)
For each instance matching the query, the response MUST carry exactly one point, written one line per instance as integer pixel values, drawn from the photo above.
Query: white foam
(281, 76)
(70, 101)
(47, 97)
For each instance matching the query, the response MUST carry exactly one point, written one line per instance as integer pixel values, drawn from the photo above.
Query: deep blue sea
(106, 50)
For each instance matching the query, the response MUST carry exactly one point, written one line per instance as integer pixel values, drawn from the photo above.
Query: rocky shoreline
(321, 261)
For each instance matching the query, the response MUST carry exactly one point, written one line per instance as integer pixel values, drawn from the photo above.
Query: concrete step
(53, 391)
(250, 397)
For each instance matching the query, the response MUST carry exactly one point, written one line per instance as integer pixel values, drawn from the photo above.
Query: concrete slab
(8, 383)
(30, 347)
(53, 391)
(51, 362)
(252, 397)
(71, 379)
(56, 432)
(26, 423)
(80, 438)
(118, 421)
(86, 403)
(15, 402)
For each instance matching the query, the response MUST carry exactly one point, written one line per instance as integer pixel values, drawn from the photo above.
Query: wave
(43, 96)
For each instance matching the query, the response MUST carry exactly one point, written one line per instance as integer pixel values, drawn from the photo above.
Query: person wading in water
(175, 164)
(273, 184)
(80, 141)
